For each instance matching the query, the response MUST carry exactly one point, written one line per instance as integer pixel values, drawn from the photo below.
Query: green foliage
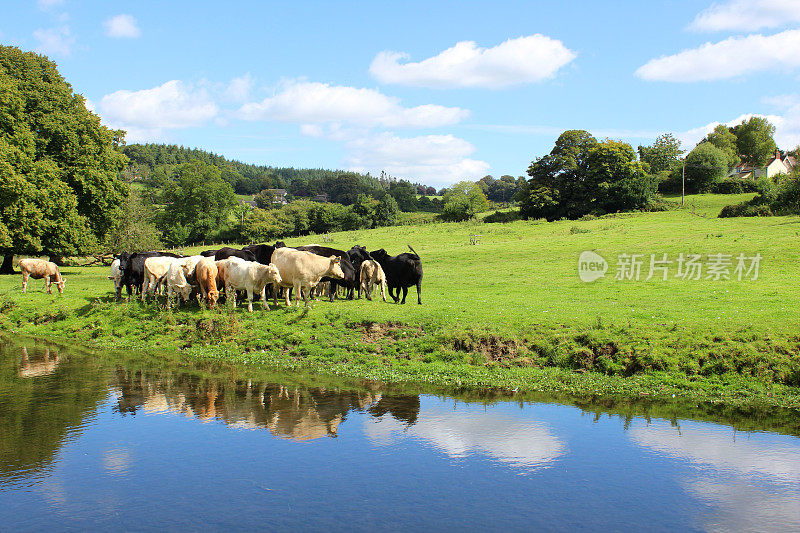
(265, 199)
(463, 201)
(663, 155)
(723, 138)
(754, 140)
(404, 194)
(59, 187)
(581, 176)
(705, 165)
(197, 202)
(386, 212)
(134, 230)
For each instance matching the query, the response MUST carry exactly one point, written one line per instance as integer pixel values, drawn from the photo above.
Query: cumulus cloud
(147, 113)
(747, 15)
(54, 41)
(787, 127)
(122, 27)
(434, 159)
(238, 90)
(730, 58)
(528, 59)
(315, 103)
(518, 443)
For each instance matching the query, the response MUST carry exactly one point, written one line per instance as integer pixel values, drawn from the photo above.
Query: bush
(745, 209)
(728, 186)
(500, 216)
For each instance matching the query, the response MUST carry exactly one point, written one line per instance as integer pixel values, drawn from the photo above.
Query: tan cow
(206, 274)
(155, 270)
(176, 282)
(303, 270)
(38, 269)
(372, 274)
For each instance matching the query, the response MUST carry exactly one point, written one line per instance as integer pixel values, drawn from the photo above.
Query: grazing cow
(116, 277)
(402, 271)
(175, 279)
(350, 278)
(226, 252)
(372, 274)
(250, 276)
(155, 268)
(189, 264)
(132, 268)
(209, 253)
(38, 269)
(206, 274)
(303, 270)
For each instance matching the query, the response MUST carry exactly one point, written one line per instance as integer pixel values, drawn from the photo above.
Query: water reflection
(459, 433)
(287, 412)
(41, 362)
(750, 481)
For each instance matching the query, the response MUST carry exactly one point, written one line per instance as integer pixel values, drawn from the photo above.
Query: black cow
(131, 267)
(402, 271)
(209, 253)
(226, 252)
(262, 252)
(350, 275)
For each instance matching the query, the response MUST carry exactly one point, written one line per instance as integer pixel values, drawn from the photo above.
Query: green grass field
(511, 310)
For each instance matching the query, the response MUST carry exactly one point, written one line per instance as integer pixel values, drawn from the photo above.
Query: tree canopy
(663, 155)
(581, 175)
(60, 190)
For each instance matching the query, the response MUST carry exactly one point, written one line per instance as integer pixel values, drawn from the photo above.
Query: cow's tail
(412, 250)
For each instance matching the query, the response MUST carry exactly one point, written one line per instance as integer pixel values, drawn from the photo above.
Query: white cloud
(47, 4)
(317, 103)
(122, 26)
(54, 41)
(730, 58)
(747, 15)
(147, 113)
(437, 160)
(518, 443)
(238, 90)
(787, 127)
(528, 59)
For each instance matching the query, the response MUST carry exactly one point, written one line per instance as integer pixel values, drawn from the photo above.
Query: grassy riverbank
(509, 313)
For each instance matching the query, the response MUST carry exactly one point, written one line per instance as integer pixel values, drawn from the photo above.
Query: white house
(780, 163)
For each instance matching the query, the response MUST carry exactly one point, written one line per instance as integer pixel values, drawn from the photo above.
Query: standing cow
(38, 269)
(206, 274)
(372, 274)
(303, 270)
(249, 276)
(402, 271)
(350, 277)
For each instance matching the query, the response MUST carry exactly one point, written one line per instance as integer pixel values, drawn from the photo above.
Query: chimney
(778, 153)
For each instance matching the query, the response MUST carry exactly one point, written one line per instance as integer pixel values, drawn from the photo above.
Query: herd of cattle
(254, 269)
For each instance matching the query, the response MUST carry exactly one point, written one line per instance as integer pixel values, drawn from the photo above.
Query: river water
(92, 442)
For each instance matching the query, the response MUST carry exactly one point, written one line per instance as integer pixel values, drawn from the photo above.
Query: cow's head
(380, 255)
(335, 268)
(60, 284)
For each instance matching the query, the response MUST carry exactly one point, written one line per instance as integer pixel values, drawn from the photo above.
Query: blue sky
(431, 91)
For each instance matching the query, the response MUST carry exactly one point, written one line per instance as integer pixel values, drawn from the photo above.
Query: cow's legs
(264, 297)
(405, 293)
(48, 285)
(419, 292)
(250, 300)
(24, 282)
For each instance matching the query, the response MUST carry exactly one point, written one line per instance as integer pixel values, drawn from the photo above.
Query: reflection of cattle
(38, 269)
(287, 412)
(40, 364)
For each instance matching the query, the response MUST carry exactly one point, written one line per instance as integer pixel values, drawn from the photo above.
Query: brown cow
(206, 275)
(38, 269)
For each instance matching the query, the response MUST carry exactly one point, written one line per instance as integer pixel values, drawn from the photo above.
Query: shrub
(499, 216)
(745, 209)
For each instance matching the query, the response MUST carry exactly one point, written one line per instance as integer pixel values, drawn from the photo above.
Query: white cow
(372, 274)
(177, 284)
(249, 276)
(155, 268)
(303, 270)
(116, 277)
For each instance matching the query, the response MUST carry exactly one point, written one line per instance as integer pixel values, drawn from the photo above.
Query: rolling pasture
(512, 302)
